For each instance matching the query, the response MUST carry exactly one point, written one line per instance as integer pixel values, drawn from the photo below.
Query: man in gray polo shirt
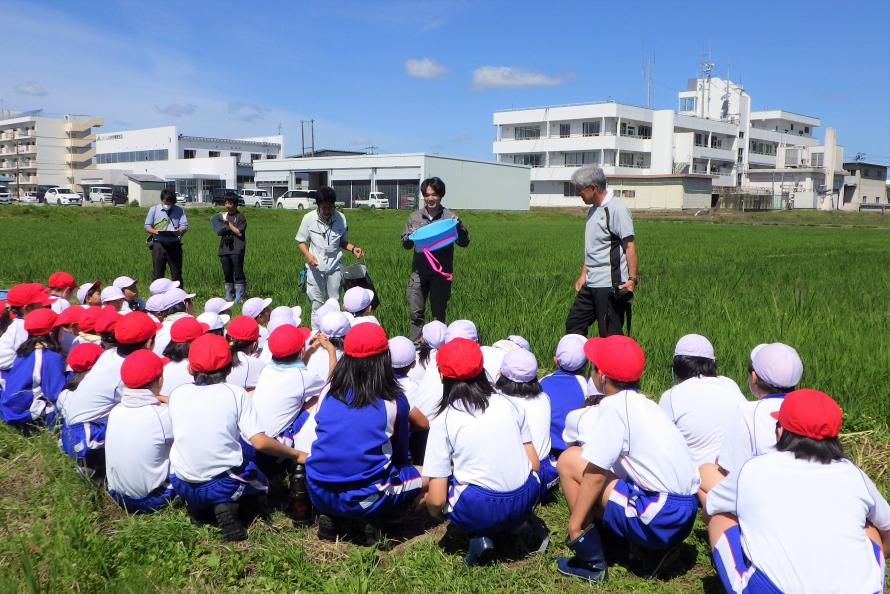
(608, 276)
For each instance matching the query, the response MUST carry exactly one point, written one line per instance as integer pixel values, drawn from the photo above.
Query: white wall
(52, 167)
(216, 168)
(480, 185)
(138, 140)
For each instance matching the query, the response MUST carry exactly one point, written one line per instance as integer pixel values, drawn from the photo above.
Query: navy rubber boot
(230, 291)
(240, 289)
(589, 561)
(481, 551)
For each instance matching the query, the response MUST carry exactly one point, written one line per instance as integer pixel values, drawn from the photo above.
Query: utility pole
(648, 65)
(302, 140)
(312, 132)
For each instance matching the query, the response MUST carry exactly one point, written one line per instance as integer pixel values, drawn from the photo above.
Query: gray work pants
(438, 289)
(321, 286)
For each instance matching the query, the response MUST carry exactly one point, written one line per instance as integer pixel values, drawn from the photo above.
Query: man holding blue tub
(425, 281)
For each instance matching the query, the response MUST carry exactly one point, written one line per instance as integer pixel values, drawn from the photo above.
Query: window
(644, 131)
(569, 189)
(271, 156)
(741, 156)
(188, 154)
(565, 130)
(133, 156)
(237, 157)
(255, 157)
(701, 139)
(628, 193)
(626, 160)
(590, 128)
(581, 158)
(716, 142)
(531, 188)
(762, 148)
(526, 132)
(687, 103)
(792, 126)
(817, 159)
(532, 159)
(806, 129)
(741, 134)
(212, 154)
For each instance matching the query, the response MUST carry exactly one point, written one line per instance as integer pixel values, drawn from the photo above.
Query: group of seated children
(216, 409)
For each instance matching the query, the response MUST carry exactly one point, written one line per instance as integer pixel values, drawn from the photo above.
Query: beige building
(39, 151)
(865, 185)
(676, 191)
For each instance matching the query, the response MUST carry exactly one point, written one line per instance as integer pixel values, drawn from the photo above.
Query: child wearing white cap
(404, 358)
(258, 309)
(702, 403)
(175, 304)
(334, 325)
(774, 371)
(357, 301)
(518, 380)
(431, 338)
(566, 387)
(218, 305)
(216, 323)
(162, 285)
(90, 293)
(131, 293)
(114, 297)
(429, 391)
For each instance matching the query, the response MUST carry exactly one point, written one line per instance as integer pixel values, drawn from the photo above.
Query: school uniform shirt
(369, 319)
(701, 408)
(176, 373)
(802, 522)
(567, 392)
(408, 386)
(17, 396)
(537, 415)
(264, 337)
(98, 391)
(428, 394)
(417, 372)
(207, 422)
(604, 257)
(318, 362)
(358, 445)
(247, 373)
(281, 391)
(751, 432)
(10, 342)
(162, 336)
(578, 424)
(632, 437)
(137, 444)
(59, 305)
(485, 447)
(323, 238)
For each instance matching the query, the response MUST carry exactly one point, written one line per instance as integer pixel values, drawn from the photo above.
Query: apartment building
(713, 132)
(39, 150)
(865, 185)
(192, 165)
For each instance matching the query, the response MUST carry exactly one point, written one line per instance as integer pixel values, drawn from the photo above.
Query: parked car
(296, 199)
(219, 196)
(257, 198)
(180, 197)
(101, 194)
(5, 198)
(374, 200)
(29, 198)
(62, 196)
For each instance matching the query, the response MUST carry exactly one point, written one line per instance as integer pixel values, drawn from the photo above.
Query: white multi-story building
(193, 165)
(38, 150)
(713, 132)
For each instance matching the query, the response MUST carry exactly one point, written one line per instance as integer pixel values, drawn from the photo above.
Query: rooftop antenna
(371, 149)
(279, 128)
(648, 65)
(707, 68)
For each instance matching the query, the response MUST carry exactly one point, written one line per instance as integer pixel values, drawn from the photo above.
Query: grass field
(816, 281)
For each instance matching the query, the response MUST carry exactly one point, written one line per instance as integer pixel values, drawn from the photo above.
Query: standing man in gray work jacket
(322, 236)
(424, 281)
(608, 278)
(165, 225)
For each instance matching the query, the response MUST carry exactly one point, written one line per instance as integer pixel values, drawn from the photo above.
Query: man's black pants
(233, 268)
(163, 254)
(437, 289)
(596, 304)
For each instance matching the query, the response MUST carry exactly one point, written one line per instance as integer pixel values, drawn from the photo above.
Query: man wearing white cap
(176, 304)
(357, 301)
(702, 403)
(258, 309)
(775, 370)
(218, 305)
(131, 292)
(566, 387)
(322, 237)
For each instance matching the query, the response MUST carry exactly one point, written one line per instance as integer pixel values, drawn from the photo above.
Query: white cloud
(30, 88)
(176, 110)
(424, 68)
(246, 112)
(489, 77)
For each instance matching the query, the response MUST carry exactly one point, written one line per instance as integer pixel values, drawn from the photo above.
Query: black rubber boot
(481, 551)
(228, 521)
(589, 562)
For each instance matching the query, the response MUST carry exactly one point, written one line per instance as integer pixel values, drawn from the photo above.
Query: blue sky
(426, 76)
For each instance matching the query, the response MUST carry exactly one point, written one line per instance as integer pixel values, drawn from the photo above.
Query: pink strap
(434, 262)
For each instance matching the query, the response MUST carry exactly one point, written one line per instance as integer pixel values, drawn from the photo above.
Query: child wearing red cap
(61, 287)
(88, 406)
(243, 333)
(211, 467)
(359, 468)
(183, 332)
(37, 375)
(634, 474)
(20, 300)
(483, 489)
(68, 324)
(139, 437)
(79, 361)
(792, 520)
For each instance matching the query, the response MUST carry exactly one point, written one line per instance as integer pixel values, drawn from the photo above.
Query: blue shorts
(483, 512)
(736, 573)
(148, 504)
(396, 490)
(243, 481)
(647, 518)
(79, 439)
(548, 474)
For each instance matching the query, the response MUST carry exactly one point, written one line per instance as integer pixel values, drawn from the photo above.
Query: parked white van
(101, 194)
(256, 198)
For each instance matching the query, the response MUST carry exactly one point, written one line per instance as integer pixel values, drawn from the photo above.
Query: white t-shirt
(802, 522)
(162, 336)
(701, 408)
(428, 395)
(207, 421)
(246, 374)
(10, 342)
(578, 424)
(137, 444)
(264, 336)
(537, 415)
(486, 448)
(417, 372)
(751, 432)
(59, 305)
(318, 362)
(409, 387)
(98, 391)
(631, 436)
(176, 373)
(280, 393)
(369, 319)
